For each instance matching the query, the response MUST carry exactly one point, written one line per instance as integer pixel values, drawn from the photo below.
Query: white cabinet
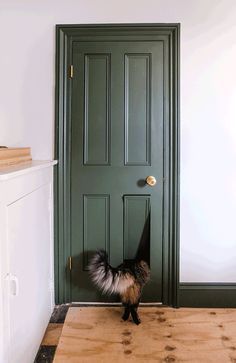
(26, 260)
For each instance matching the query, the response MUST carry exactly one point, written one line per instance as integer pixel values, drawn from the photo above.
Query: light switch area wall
(208, 112)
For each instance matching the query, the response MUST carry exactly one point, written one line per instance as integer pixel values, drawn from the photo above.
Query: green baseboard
(207, 295)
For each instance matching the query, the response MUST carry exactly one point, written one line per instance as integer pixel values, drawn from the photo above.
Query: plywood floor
(98, 334)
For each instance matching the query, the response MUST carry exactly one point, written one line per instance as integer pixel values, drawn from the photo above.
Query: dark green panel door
(117, 115)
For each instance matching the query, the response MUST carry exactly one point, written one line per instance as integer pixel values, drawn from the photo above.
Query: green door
(117, 119)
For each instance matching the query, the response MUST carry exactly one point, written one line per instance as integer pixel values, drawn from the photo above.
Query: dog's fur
(127, 280)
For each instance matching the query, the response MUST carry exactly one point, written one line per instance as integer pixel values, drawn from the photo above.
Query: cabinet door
(28, 225)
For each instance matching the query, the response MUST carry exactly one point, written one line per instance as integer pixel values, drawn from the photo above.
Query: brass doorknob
(151, 180)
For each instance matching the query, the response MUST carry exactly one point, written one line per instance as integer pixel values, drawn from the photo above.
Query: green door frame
(65, 35)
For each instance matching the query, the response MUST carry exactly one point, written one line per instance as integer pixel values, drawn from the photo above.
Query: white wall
(208, 106)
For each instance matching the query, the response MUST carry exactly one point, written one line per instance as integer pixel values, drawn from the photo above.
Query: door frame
(65, 35)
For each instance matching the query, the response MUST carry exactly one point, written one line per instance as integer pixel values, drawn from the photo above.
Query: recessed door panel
(137, 109)
(136, 212)
(97, 109)
(96, 225)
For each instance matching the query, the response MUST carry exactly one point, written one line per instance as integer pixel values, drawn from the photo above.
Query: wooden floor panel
(98, 334)
(52, 334)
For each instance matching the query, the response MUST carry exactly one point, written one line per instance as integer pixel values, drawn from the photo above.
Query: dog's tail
(107, 278)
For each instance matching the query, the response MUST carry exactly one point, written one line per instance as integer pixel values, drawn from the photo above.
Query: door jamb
(64, 38)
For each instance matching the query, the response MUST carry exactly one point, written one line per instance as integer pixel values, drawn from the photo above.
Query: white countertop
(20, 169)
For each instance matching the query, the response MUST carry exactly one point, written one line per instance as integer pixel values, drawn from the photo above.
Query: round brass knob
(151, 180)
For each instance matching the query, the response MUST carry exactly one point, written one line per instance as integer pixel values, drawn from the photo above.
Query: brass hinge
(71, 71)
(70, 263)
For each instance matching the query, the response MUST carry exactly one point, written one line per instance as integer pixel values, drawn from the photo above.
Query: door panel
(96, 210)
(97, 113)
(137, 109)
(136, 211)
(117, 141)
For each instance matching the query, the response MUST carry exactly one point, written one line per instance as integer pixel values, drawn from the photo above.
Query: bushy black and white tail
(109, 279)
